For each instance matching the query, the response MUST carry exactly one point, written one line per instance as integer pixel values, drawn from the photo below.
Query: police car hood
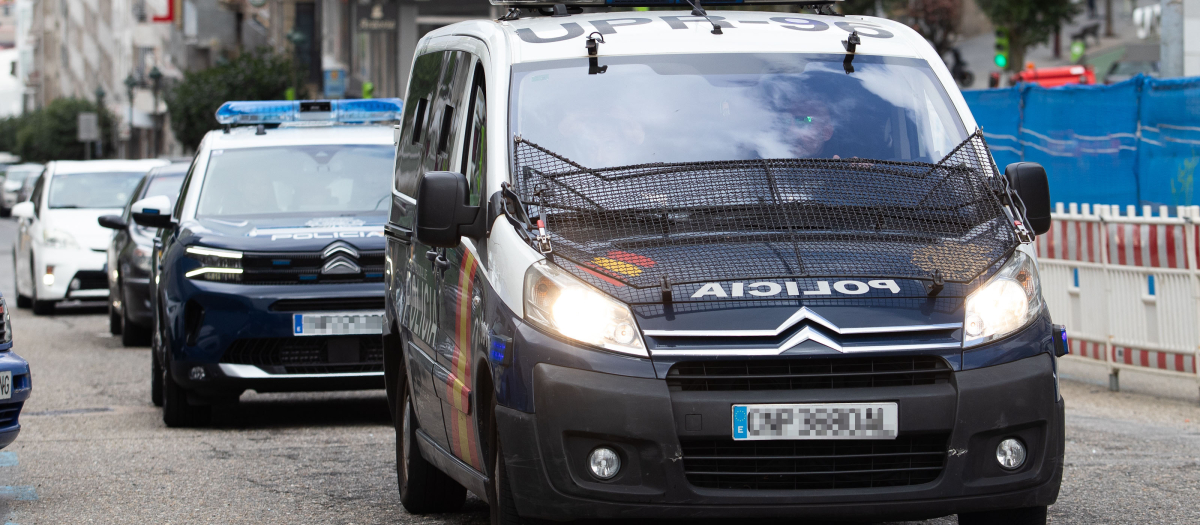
(305, 233)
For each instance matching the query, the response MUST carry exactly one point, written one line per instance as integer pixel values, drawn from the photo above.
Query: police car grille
(808, 373)
(814, 465)
(308, 355)
(305, 268)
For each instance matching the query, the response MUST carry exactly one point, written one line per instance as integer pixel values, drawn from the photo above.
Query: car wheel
(423, 488)
(114, 320)
(177, 410)
(41, 307)
(23, 301)
(1025, 516)
(133, 334)
(156, 380)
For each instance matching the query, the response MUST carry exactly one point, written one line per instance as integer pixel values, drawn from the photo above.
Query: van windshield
(297, 180)
(711, 107)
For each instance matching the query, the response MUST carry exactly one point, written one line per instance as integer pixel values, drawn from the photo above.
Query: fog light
(75, 284)
(197, 374)
(1011, 453)
(48, 279)
(604, 462)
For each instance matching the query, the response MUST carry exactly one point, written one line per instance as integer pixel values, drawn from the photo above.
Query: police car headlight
(215, 264)
(1008, 302)
(561, 303)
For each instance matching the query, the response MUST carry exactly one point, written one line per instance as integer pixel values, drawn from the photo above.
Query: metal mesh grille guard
(771, 218)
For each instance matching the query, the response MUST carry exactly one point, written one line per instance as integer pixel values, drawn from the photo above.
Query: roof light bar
(682, 4)
(280, 111)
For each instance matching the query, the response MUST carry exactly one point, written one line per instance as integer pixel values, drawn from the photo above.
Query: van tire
(423, 488)
(504, 507)
(1025, 516)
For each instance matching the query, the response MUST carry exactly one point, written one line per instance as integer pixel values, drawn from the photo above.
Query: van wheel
(1026, 516)
(504, 507)
(177, 410)
(423, 488)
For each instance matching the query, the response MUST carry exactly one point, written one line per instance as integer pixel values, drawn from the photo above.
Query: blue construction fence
(1136, 142)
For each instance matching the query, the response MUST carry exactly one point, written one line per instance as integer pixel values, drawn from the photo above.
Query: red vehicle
(1056, 76)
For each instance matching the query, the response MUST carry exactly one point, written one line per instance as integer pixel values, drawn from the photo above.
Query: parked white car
(60, 251)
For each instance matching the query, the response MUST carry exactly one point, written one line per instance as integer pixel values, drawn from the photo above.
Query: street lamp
(155, 85)
(130, 83)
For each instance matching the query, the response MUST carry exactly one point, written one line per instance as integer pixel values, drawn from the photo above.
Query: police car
(712, 264)
(270, 265)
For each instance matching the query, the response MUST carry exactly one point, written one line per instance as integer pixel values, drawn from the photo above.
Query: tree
(50, 132)
(1028, 22)
(193, 102)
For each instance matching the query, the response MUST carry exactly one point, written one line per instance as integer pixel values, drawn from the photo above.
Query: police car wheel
(423, 488)
(504, 507)
(1025, 516)
(177, 410)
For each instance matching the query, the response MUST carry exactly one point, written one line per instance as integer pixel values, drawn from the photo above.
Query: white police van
(722, 264)
(271, 263)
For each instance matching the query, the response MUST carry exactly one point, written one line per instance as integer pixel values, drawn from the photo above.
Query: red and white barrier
(1126, 286)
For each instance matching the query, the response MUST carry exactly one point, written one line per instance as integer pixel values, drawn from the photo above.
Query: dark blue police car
(270, 265)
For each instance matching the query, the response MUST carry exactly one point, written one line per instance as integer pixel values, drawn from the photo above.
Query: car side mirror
(152, 212)
(112, 222)
(443, 216)
(1028, 179)
(23, 210)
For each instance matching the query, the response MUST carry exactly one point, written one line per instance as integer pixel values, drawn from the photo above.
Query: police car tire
(423, 488)
(504, 507)
(1025, 516)
(178, 412)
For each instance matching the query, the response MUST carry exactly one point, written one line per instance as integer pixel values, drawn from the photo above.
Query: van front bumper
(577, 410)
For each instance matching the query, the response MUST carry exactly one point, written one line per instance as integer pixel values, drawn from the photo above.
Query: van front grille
(814, 464)
(309, 355)
(808, 373)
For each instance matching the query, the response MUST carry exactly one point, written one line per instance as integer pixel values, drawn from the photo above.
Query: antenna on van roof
(698, 10)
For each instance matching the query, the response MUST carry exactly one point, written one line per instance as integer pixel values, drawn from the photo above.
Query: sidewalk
(980, 50)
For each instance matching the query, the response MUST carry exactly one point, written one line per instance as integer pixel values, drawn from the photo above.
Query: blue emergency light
(250, 112)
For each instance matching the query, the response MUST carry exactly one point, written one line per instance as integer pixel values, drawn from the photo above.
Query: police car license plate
(338, 323)
(815, 421)
(6, 384)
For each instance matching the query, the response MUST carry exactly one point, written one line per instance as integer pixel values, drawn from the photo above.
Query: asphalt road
(94, 450)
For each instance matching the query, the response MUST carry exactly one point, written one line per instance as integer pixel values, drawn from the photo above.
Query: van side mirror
(112, 222)
(443, 216)
(1028, 179)
(152, 212)
(23, 210)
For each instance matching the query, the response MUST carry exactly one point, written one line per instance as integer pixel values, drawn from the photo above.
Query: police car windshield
(92, 190)
(734, 106)
(297, 181)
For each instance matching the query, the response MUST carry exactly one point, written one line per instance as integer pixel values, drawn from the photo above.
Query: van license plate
(338, 323)
(815, 421)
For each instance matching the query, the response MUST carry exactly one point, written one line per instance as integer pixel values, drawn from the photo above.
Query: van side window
(415, 125)
(474, 157)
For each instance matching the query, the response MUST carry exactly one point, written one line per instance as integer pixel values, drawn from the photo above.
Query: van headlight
(558, 302)
(1008, 302)
(56, 238)
(215, 264)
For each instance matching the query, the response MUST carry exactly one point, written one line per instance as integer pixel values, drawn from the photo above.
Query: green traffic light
(1001, 61)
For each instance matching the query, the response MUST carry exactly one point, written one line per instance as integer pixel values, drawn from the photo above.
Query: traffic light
(1001, 48)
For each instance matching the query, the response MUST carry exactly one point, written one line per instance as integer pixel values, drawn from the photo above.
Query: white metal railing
(1126, 286)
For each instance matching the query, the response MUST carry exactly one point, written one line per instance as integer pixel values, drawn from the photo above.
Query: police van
(712, 264)
(270, 265)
